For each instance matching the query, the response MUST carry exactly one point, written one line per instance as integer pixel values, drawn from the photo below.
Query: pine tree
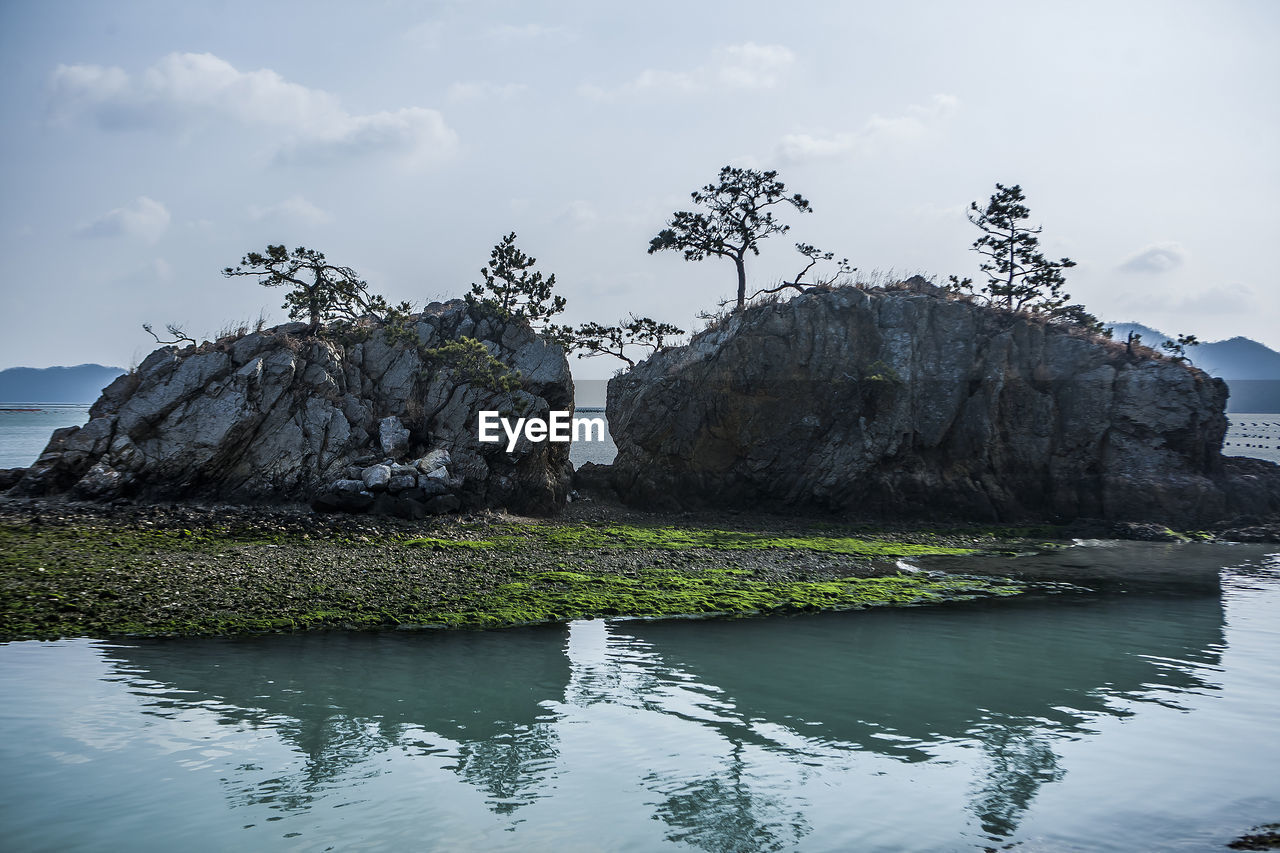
(738, 219)
(1019, 276)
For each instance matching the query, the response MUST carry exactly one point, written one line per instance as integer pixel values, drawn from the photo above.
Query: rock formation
(348, 423)
(908, 402)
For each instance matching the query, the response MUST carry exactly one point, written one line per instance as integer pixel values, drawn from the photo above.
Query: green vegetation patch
(104, 580)
(560, 595)
(682, 538)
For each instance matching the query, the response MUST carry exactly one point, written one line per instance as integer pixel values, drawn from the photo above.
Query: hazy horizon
(150, 146)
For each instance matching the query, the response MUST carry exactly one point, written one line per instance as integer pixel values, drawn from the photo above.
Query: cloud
(296, 209)
(935, 210)
(752, 66)
(414, 135)
(527, 32)
(145, 219)
(917, 122)
(161, 269)
(1234, 300)
(748, 66)
(579, 214)
(1156, 258)
(187, 90)
(427, 34)
(484, 91)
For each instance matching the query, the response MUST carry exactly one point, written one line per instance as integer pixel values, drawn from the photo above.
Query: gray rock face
(906, 402)
(280, 415)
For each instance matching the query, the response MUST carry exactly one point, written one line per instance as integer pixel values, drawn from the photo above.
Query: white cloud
(747, 66)
(480, 90)
(161, 269)
(917, 122)
(296, 210)
(183, 90)
(936, 210)
(752, 66)
(427, 34)
(580, 214)
(415, 135)
(1156, 258)
(527, 32)
(145, 219)
(1232, 300)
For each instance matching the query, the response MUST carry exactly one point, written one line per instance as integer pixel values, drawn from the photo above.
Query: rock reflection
(338, 699)
(720, 726)
(1008, 679)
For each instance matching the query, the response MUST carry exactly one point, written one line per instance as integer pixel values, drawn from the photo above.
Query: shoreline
(71, 569)
(88, 570)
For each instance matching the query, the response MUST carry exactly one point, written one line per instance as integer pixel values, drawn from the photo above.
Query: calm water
(1135, 716)
(23, 434)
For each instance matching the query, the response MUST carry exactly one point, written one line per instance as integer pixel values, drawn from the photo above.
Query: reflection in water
(342, 699)
(723, 725)
(722, 812)
(1019, 761)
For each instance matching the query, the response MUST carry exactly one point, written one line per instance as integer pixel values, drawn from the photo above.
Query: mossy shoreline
(71, 570)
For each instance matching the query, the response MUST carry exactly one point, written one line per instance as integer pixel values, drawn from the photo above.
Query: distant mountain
(1251, 369)
(80, 384)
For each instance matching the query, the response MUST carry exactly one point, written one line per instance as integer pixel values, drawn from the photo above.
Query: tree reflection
(723, 814)
(1009, 678)
(1019, 761)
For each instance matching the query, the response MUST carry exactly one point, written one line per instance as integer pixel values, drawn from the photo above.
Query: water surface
(1131, 716)
(25, 428)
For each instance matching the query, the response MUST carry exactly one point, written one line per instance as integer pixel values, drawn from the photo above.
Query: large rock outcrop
(908, 402)
(282, 415)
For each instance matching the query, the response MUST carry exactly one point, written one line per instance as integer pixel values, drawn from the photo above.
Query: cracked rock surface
(907, 402)
(284, 416)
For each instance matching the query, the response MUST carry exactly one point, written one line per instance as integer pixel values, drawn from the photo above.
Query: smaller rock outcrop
(351, 422)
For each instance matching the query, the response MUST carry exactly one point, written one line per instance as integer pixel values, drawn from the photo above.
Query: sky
(148, 145)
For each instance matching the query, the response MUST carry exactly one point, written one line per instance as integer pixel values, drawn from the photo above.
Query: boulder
(283, 415)
(432, 486)
(402, 482)
(433, 461)
(376, 477)
(910, 402)
(393, 436)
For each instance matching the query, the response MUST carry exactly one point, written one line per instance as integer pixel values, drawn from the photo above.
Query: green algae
(654, 593)
(109, 580)
(438, 543)
(572, 537)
